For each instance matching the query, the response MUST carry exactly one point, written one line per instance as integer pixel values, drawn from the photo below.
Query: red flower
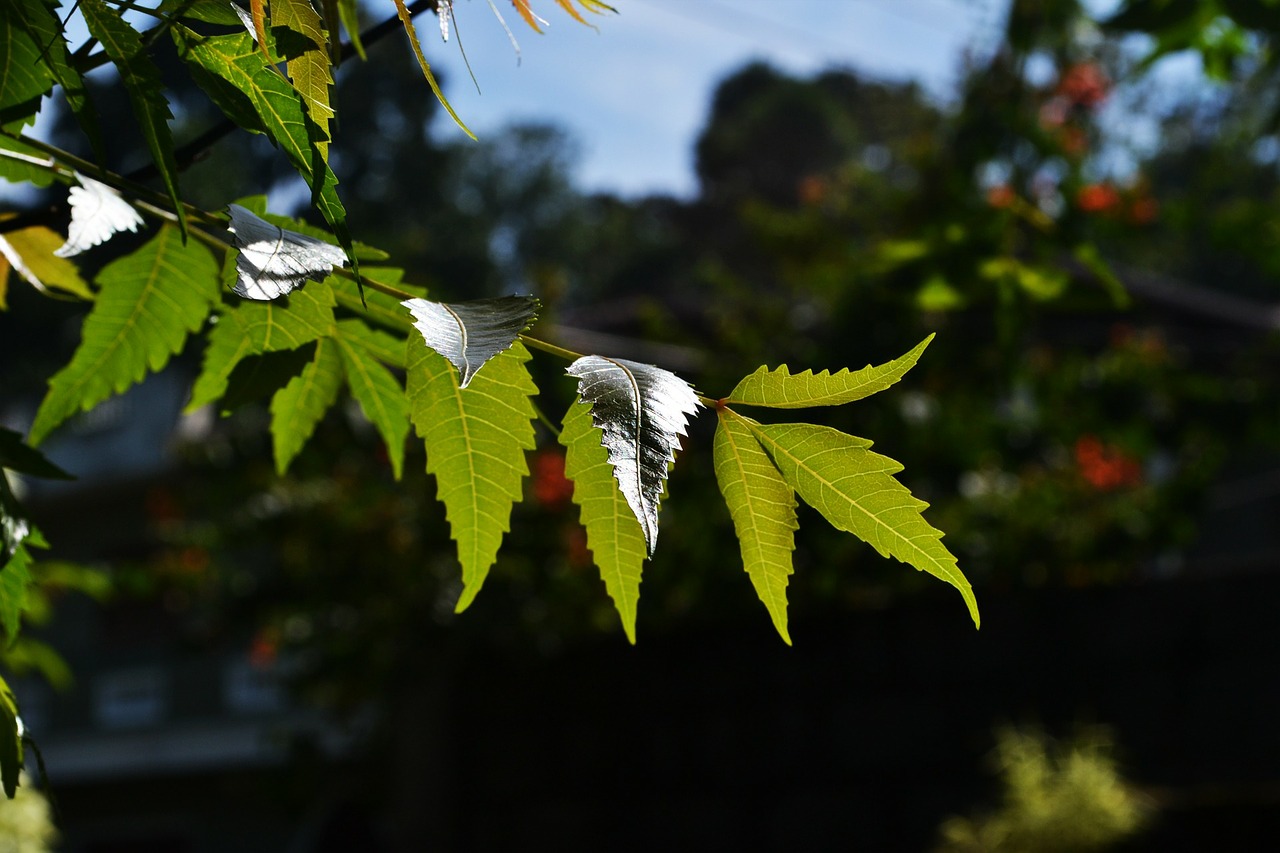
(1084, 85)
(1106, 467)
(550, 486)
(1001, 195)
(1097, 198)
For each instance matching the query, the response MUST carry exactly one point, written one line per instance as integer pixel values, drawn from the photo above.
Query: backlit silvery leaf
(97, 213)
(468, 334)
(642, 411)
(274, 260)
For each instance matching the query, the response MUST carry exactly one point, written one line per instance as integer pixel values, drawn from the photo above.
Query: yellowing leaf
(31, 252)
(526, 12)
(476, 439)
(780, 389)
(300, 36)
(614, 535)
(763, 509)
(853, 488)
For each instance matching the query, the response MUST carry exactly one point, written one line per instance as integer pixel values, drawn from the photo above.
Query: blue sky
(635, 91)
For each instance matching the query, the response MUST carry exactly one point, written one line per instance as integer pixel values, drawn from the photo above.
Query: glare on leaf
(274, 260)
(97, 214)
(641, 411)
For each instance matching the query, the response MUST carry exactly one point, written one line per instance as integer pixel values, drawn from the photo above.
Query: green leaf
(614, 534)
(147, 304)
(351, 21)
(780, 389)
(379, 393)
(15, 577)
(25, 77)
(763, 509)
(468, 334)
(301, 38)
(254, 328)
(853, 488)
(209, 11)
(296, 409)
(10, 741)
(46, 30)
(17, 456)
(387, 348)
(141, 80)
(257, 377)
(30, 251)
(476, 440)
(641, 411)
(20, 163)
(253, 94)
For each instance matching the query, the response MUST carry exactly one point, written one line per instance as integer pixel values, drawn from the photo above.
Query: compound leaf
(468, 334)
(853, 488)
(641, 411)
(763, 509)
(249, 89)
(142, 82)
(780, 389)
(476, 438)
(614, 535)
(379, 393)
(148, 303)
(297, 408)
(17, 456)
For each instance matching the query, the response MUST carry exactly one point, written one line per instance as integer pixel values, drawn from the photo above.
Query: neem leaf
(273, 261)
(300, 36)
(296, 409)
(351, 21)
(142, 81)
(407, 20)
(97, 214)
(10, 741)
(149, 301)
(257, 328)
(17, 456)
(476, 438)
(526, 12)
(249, 89)
(641, 411)
(31, 253)
(614, 535)
(780, 389)
(379, 393)
(468, 334)
(24, 77)
(38, 17)
(853, 488)
(763, 509)
(15, 577)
